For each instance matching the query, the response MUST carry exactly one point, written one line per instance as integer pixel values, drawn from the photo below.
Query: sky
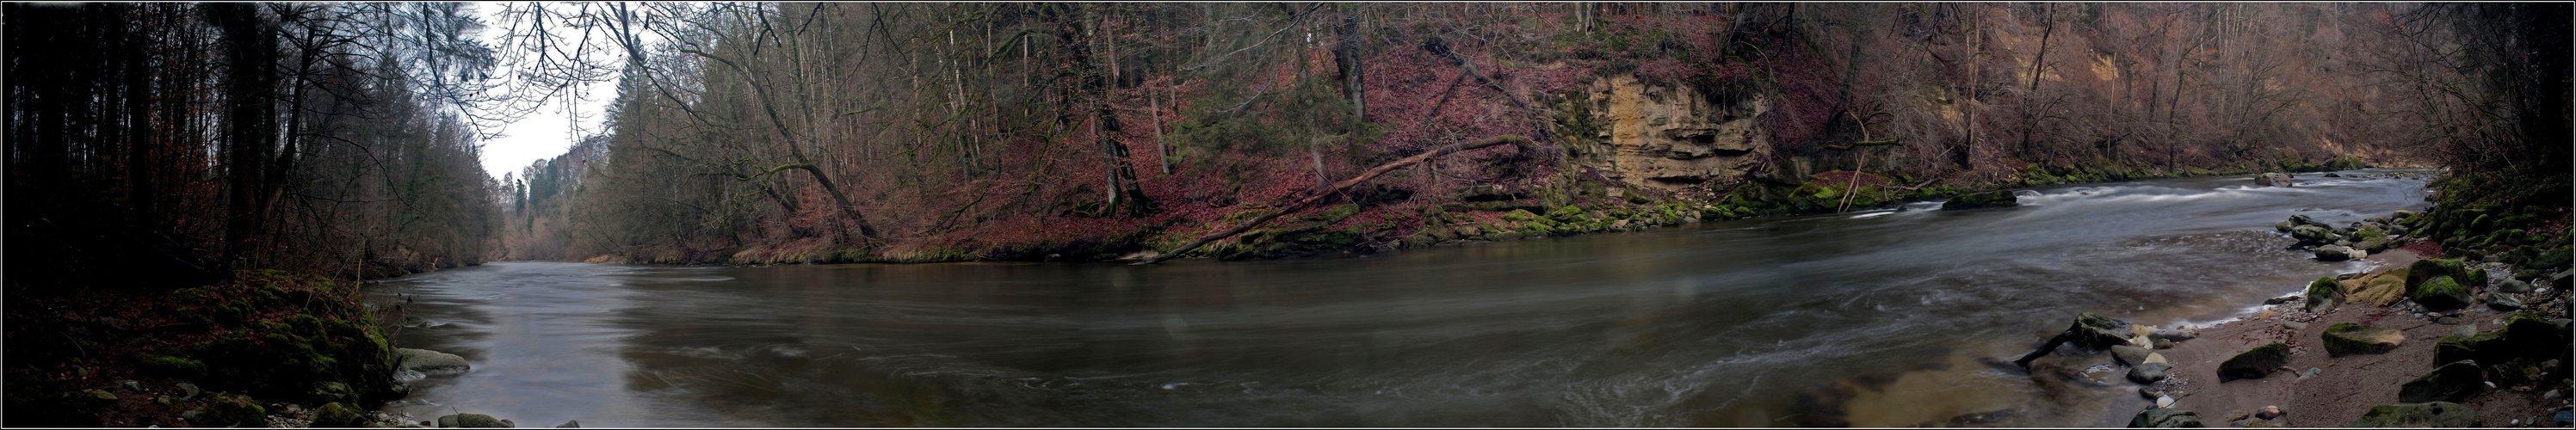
(545, 133)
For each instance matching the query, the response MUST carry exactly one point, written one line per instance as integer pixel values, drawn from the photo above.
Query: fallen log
(1311, 199)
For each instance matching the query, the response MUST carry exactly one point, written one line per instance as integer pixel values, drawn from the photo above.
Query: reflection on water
(1871, 319)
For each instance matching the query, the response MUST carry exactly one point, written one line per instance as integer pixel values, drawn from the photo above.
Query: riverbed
(1875, 318)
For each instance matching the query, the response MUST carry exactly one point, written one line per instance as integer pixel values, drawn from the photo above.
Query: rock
(2448, 320)
(470, 421)
(2148, 373)
(2164, 418)
(2129, 355)
(2096, 331)
(2164, 401)
(2171, 334)
(334, 415)
(2322, 293)
(2312, 372)
(2503, 302)
(2435, 414)
(2332, 175)
(2309, 234)
(2273, 180)
(187, 391)
(2153, 358)
(2164, 344)
(2378, 289)
(2294, 325)
(2523, 336)
(334, 392)
(429, 362)
(2513, 286)
(2269, 412)
(2451, 382)
(2333, 253)
(231, 410)
(2344, 339)
(2422, 271)
(2441, 294)
(1989, 199)
(2254, 363)
(2150, 392)
(129, 384)
(571, 424)
(2282, 299)
(94, 394)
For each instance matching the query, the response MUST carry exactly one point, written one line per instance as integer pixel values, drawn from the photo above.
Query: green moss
(2321, 291)
(232, 410)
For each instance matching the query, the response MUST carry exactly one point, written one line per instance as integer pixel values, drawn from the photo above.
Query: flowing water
(1882, 318)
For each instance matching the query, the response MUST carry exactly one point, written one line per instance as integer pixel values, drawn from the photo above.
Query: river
(1880, 318)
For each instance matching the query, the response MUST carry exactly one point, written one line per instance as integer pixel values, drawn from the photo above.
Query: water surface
(1882, 318)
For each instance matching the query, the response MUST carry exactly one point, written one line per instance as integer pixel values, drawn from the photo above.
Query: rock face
(2165, 418)
(2441, 294)
(2344, 339)
(2254, 363)
(471, 421)
(1670, 137)
(429, 362)
(2435, 414)
(1989, 199)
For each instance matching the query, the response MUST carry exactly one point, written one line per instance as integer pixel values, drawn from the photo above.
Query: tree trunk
(1311, 198)
(1125, 195)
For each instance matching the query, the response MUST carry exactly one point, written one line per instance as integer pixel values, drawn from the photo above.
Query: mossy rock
(335, 415)
(2346, 338)
(2322, 292)
(1518, 215)
(2378, 290)
(2427, 269)
(2095, 331)
(2441, 294)
(2254, 363)
(2523, 336)
(1989, 199)
(2450, 383)
(232, 410)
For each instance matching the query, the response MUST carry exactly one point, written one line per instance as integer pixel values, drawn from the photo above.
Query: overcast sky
(546, 133)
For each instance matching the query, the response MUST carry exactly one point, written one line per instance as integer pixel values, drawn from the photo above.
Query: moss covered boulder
(2254, 363)
(2451, 382)
(2435, 414)
(2523, 336)
(231, 410)
(2346, 338)
(1989, 199)
(2425, 270)
(2441, 294)
(2377, 290)
(2322, 293)
(335, 415)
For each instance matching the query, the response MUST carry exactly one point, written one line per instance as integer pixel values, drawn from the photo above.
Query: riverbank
(2385, 343)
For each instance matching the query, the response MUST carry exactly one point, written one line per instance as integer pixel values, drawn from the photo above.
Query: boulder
(2165, 418)
(2309, 234)
(2170, 334)
(2378, 289)
(2273, 180)
(2148, 373)
(2374, 245)
(2435, 414)
(334, 415)
(2254, 363)
(2426, 269)
(2503, 302)
(2129, 355)
(2513, 286)
(570, 424)
(2441, 294)
(2096, 331)
(1989, 199)
(429, 362)
(2344, 339)
(2450, 383)
(470, 421)
(231, 410)
(2523, 336)
(2322, 293)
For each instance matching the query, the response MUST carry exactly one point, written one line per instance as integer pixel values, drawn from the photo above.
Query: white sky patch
(548, 132)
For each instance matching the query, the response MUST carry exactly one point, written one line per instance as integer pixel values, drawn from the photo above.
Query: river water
(1882, 318)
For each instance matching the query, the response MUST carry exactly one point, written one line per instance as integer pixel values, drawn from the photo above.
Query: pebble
(2312, 372)
(2551, 395)
(2294, 325)
(2164, 401)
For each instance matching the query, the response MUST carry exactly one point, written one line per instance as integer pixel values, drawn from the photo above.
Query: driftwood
(1311, 199)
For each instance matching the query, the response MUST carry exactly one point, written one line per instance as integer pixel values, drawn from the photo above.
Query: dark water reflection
(1872, 319)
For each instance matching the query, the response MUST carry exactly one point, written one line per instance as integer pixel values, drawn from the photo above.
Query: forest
(261, 155)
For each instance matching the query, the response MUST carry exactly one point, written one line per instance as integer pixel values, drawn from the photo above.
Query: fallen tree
(1311, 199)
